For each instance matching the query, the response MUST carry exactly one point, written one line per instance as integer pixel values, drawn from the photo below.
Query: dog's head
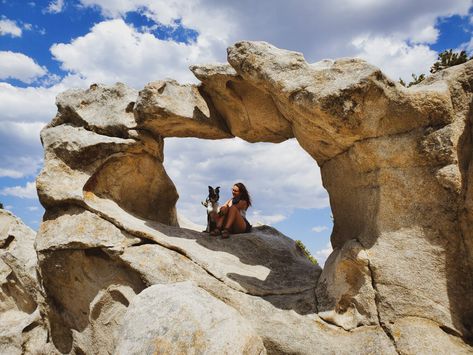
(214, 194)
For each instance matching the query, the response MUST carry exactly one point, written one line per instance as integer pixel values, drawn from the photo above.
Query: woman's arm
(223, 209)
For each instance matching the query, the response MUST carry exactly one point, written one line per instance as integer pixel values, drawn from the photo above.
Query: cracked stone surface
(396, 162)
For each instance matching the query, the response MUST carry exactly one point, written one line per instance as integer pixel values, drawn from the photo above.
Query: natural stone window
(396, 162)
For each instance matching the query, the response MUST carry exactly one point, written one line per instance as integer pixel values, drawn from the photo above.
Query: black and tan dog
(212, 205)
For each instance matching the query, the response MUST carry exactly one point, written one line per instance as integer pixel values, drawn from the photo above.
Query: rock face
(23, 327)
(398, 167)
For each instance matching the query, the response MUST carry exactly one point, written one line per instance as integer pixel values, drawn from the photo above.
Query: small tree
(1, 206)
(415, 80)
(447, 59)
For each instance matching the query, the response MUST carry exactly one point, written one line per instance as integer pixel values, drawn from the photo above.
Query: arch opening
(283, 180)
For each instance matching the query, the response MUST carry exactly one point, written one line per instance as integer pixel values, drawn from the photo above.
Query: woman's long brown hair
(244, 194)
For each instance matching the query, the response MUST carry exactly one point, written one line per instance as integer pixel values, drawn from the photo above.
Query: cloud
(394, 35)
(280, 177)
(396, 58)
(322, 254)
(9, 27)
(467, 46)
(213, 20)
(428, 34)
(10, 173)
(115, 51)
(41, 100)
(55, 6)
(33, 208)
(20, 165)
(319, 229)
(27, 191)
(256, 217)
(14, 65)
(24, 132)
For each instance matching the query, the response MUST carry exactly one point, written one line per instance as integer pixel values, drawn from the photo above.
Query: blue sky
(50, 46)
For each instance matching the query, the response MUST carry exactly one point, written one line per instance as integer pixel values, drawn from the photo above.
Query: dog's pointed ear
(217, 189)
(210, 188)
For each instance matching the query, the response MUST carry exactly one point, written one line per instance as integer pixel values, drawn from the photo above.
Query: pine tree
(447, 59)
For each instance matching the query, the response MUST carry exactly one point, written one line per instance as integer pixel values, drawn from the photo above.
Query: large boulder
(183, 318)
(23, 327)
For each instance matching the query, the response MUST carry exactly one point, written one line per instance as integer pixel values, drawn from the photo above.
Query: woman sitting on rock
(232, 215)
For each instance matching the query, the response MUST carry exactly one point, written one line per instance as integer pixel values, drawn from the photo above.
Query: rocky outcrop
(94, 152)
(23, 327)
(396, 162)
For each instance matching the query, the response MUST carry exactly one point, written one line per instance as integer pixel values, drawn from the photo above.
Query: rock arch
(396, 162)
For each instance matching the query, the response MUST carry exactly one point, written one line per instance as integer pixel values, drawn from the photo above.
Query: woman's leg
(234, 221)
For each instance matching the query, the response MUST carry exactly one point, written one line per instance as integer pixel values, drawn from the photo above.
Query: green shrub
(306, 252)
(446, 59)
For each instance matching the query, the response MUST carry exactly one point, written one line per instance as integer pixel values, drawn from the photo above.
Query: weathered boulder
(396, 162)
(22, 326)
(183, 318)
(169, 109)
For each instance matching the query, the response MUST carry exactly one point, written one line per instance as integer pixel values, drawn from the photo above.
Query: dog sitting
(212, 205)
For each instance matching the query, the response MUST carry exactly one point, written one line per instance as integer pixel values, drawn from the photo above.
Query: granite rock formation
(23, 325)
(396, 162)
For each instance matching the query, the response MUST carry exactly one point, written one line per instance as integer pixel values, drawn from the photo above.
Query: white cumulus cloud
(393, 35)
(6, 172)
(55, 6)
(17, 165)
(24, 132)
(256, 217)
(14, 65)
(395, 57)
(115, 51)
(9, 27)
(34, 104)
(27, 191)
(319, 229)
